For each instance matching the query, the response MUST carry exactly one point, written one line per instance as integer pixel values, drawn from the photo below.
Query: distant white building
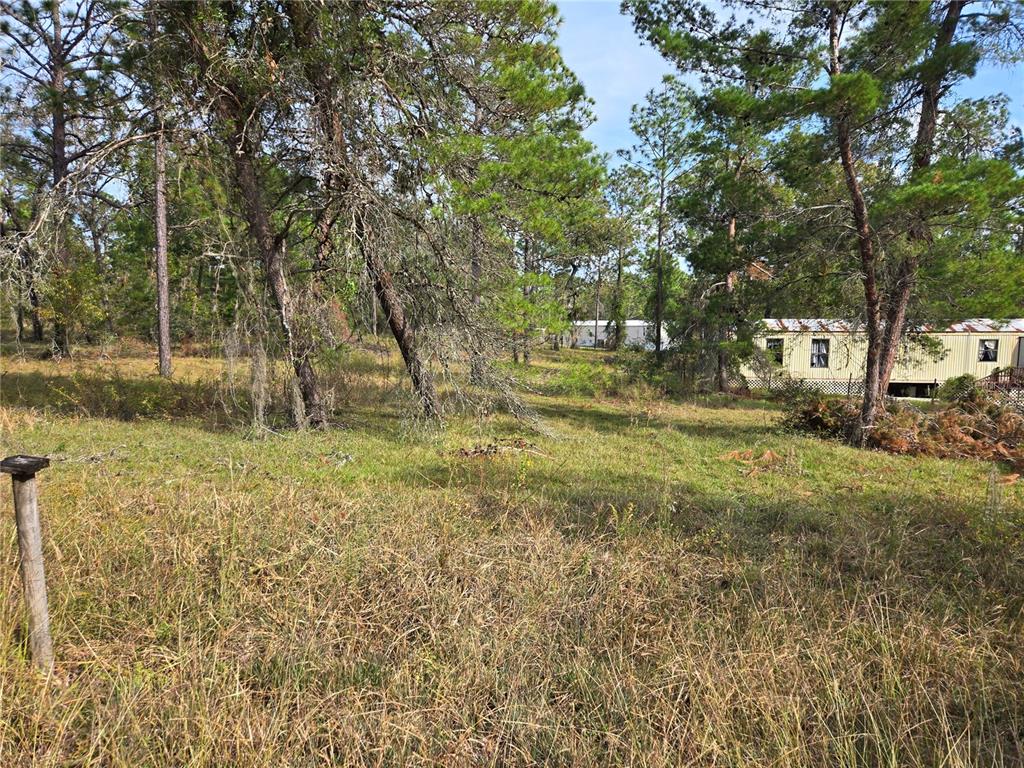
(639, 334)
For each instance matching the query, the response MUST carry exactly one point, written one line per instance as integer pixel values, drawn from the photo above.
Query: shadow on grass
(119, 397)
(891, 538)
(208, 401)
(608, 420)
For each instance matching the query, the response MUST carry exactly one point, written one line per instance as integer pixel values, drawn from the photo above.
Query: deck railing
(1004, 380)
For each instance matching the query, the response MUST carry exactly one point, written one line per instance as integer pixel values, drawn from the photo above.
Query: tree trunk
(476, 361)
(163, 305)
(59, 162)
(659, 291)
(299, 345)
(373, 313)
(305, 28)
(259, 376)
(99, 257)
(722, 377)
(895, 321)
(921, 155)
(869, 280)
(235, 110)
(573, 291)
(527, 292)
(391, 303)
(722, 374)
(26, 278)
(866, 248)
(401, 328)
(33, 303)
(19, 321)
(33, 298)
(617, 302)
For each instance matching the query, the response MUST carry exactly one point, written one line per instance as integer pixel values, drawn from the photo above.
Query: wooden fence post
(22, 470)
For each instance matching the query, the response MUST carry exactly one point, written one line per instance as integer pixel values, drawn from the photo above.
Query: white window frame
(994, 349)
(815, 353)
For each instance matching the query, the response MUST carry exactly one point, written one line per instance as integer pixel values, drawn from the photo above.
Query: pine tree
(63, 114)
(659, 125)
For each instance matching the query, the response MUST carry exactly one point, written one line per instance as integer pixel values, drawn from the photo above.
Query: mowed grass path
(614, 591)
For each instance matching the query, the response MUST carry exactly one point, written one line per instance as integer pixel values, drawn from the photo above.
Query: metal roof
(986, 326)
(794, 325)
(978, 325)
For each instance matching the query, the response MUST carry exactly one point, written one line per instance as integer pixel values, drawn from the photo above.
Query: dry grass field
(628, 581)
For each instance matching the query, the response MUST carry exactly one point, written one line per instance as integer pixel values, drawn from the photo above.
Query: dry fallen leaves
(766, 460)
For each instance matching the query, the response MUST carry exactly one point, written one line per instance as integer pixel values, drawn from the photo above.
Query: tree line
(293, 170)
(282, 178)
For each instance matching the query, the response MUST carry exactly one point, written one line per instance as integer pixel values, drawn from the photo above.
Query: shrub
(959, 388)
(641, 367)
(636, 364)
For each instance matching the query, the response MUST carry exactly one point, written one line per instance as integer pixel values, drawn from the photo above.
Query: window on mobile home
(774, 347)
(819, 353)
(988, 350)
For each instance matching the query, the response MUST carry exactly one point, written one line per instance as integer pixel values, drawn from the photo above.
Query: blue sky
(599, 45)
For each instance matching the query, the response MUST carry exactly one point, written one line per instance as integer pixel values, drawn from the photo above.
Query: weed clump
(586, 379)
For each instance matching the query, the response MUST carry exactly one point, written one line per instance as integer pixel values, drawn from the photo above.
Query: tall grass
(620, 592)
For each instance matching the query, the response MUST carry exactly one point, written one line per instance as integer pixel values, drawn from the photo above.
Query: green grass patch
(613, 589)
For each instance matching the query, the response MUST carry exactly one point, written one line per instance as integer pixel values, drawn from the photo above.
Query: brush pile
(976, 427)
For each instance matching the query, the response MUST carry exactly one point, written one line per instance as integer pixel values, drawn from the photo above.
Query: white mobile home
(638, 334)
(829, 354)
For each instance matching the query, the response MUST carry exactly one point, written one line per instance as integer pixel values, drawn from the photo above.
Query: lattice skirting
(780, 384)
(1013, 397)
(853, 388)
